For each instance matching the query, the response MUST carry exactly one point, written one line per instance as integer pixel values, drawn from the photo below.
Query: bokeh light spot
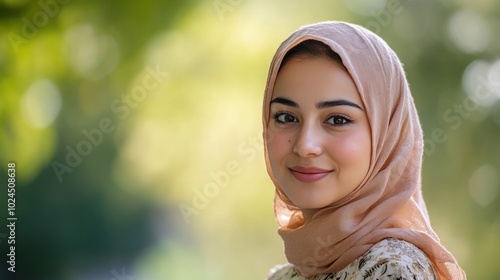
(469, 32)
(41, 103)
(494, 78)
(479, 83)
(483, 184)
(89, 54)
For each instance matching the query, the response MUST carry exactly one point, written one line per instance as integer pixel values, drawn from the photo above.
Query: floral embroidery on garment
(388, 259)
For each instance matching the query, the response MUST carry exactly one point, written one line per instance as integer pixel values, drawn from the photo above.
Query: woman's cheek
(280, 145)
(353, 150)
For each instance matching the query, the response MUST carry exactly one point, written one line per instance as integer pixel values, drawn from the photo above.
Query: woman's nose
(308, 142)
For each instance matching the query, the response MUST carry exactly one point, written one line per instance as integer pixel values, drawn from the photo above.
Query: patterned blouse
(388, 259)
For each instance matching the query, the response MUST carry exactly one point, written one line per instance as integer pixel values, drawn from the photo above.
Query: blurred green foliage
(135, 128)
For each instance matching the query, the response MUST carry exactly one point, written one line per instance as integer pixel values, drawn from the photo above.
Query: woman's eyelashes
(284, 118)
(339, 120)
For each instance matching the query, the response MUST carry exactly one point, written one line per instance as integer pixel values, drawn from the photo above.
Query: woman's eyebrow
(320, 105)
(339, 102)
(284, 101)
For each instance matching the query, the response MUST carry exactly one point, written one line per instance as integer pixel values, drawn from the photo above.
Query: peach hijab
(388, 203)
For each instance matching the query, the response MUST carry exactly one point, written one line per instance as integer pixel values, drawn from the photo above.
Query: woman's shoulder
(388, 259)
(394, 259)
(282, 272)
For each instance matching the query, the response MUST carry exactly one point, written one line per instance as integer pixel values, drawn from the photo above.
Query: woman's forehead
(315, 79)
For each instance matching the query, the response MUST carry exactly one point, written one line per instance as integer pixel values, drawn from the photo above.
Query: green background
(124, 174)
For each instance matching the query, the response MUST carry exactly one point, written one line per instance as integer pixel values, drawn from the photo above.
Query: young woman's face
(320, 145)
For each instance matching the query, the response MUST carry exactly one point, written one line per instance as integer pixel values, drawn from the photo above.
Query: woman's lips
(309, 174)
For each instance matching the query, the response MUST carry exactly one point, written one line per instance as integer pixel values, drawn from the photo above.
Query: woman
(343, 146)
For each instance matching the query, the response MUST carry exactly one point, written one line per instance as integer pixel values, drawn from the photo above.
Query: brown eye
(339, 120)
(285, 118)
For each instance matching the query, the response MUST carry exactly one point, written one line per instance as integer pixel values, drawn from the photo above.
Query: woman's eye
(285, 118)
(338, 120)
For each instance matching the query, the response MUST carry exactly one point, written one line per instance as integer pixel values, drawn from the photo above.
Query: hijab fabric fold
(388, 203)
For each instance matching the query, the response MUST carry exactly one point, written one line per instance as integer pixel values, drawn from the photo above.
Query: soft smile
(309, 174)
